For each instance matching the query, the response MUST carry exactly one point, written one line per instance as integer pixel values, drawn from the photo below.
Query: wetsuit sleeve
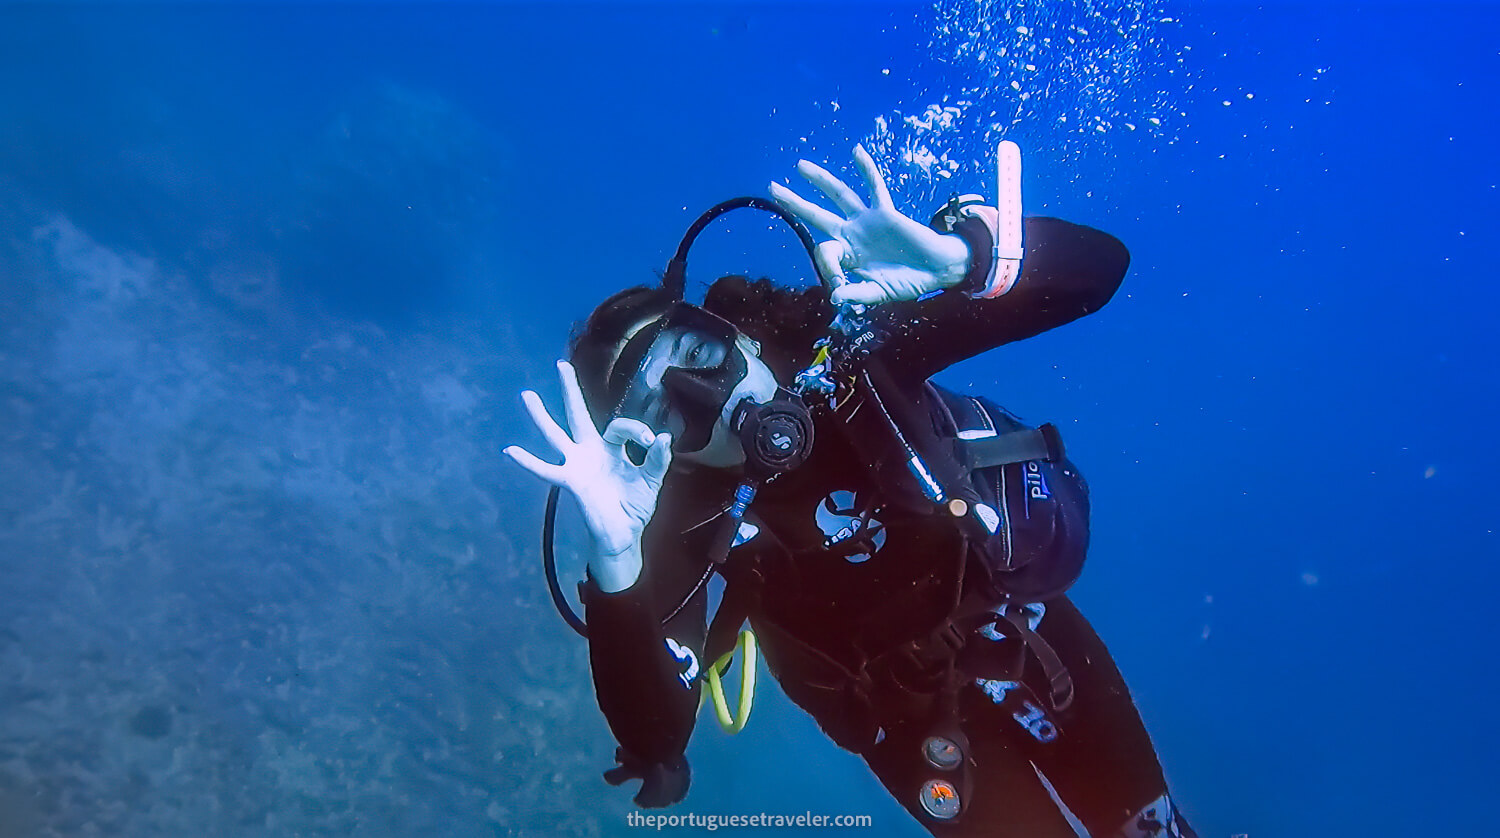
(1068, 270)
(646, 673)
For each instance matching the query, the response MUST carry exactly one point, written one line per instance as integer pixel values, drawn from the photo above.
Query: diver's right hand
(617, 496)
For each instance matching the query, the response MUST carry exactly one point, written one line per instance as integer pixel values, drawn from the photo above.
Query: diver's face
(651, 402)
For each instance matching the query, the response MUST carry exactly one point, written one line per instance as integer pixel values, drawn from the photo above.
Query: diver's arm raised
(645, 674)
(1069, 271)
(946, 297)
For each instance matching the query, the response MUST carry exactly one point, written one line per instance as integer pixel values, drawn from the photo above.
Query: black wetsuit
(852, 591)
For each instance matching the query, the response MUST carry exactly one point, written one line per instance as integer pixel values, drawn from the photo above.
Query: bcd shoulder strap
(983, 439)
(1002, 449)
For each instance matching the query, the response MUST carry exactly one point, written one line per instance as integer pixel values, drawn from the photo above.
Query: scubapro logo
(845, 530)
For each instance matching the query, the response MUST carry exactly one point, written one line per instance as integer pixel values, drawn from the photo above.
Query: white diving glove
(877, 255)
(617, 496)
(888, 256)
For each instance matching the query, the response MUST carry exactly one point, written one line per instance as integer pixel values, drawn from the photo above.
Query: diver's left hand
(891, 256)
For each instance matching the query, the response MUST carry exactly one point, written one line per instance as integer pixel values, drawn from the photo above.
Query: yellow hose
(747, 684)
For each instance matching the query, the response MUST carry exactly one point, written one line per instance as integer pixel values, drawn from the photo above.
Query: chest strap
(1058, 678)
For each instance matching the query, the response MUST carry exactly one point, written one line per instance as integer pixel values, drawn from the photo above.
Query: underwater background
(272, 276)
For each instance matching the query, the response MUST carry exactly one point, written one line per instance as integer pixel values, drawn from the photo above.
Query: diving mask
(688, 361)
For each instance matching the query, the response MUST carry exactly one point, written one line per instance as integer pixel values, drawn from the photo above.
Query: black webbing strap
(1043, 443)
(741, 596)
(1052, 665)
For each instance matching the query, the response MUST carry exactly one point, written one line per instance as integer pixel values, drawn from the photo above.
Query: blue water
(271, 277)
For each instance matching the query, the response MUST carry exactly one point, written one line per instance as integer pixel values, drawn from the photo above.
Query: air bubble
(1061, 73)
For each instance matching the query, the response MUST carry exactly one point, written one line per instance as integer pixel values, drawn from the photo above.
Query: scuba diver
(900, 551)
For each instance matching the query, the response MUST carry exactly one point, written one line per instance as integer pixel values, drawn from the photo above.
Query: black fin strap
(1052, 666)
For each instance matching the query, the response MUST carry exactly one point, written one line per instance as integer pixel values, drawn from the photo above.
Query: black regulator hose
(675, 279)
(549, 564)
